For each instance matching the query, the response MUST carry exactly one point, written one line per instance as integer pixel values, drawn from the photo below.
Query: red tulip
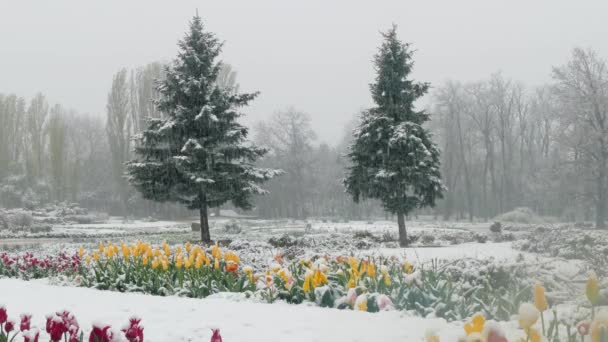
(99, 333)
(216, 337)
(134, 332)
(9, 326)
(25, 322)
(3, 315)
(31, 335)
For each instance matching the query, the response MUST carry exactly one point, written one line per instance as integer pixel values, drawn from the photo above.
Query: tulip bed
(534, 325)
(345, 282)
(63, 326)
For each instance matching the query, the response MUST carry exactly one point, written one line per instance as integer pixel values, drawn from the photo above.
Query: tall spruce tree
(198, 154)
(393, 158)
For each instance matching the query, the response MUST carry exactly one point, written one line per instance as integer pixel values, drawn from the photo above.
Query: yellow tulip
(408, 267)
(432, 338)
(307, 283)
(352, 283)
(599, 327)
(144, 260)
(165, 264)
(87, 259)
(155, 263)
(475, 325)
(187, 262)
(199, 262)
(95, 256)
(540, 300)
(361, 303)
(188, 246)
(80, 251)
(216, 264)
(354, 263)
(533, 335)
(231, 256)
(593, 289)
(371, 270)
(101, 247)
(215, 251)
(178, 263)
(319, 278)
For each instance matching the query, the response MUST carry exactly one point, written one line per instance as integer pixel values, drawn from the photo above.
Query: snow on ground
(185, 319)
(500, 251)
(119, 226)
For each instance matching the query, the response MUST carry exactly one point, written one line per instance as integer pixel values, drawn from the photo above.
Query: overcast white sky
(314, 55)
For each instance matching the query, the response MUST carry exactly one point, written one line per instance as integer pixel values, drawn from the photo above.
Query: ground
(240, 319)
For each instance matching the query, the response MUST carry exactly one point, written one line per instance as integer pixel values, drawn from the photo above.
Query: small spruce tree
(392, 157)
(197, 154)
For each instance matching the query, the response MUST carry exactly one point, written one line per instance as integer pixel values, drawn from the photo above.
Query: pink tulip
(583, 328)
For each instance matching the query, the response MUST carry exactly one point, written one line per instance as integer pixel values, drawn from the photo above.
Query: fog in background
(315, 55)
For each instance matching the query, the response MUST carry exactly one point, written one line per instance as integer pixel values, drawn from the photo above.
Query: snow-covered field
(184, 319)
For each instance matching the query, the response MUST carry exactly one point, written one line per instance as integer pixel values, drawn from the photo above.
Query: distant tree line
(503, 145)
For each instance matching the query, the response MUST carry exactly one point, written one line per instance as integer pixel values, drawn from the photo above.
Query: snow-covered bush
(496, 227)
(519, 215)
(232, 228)
(21, 220)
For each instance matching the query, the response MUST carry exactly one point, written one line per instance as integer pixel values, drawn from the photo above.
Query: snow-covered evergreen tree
(393, 157)
(198, 154)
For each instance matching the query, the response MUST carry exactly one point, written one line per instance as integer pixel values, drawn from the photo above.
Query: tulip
(540, 301)
(3, 314)
(533, 336)
(493, 333)
(31, 335)
(599, 327)
(583, 328)
(351, 296)
(99, 333)
(408, 267)
(134, 332)
(216, 252)
(593, 291)
(25, 322)
(232, 266)
(528, 315)
(475, 325)
(384, 302)
(216, 337)
(9, 326)
(361, 302)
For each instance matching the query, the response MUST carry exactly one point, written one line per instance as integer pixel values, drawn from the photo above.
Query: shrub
(428, 239)
(481, 238)
(80, 219)
(284, 241)
(232, 228)
(519, 215)
(363, 234)
(496, 227)
(22, 221)
(4, 221)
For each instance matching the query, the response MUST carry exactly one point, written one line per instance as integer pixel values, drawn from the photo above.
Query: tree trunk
(403, 242)
(205, 235)
(600, 214)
